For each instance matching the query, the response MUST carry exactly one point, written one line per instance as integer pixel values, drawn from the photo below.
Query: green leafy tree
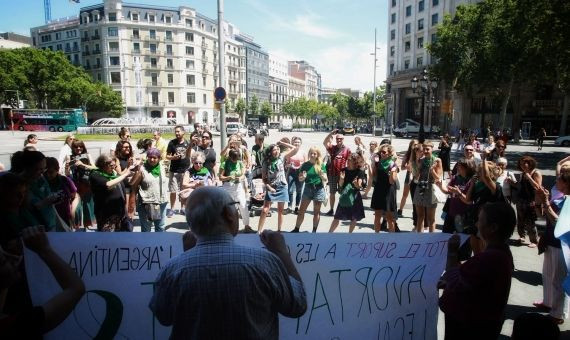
(254, 105)
(265, 109)
(240, 107)
(46, 79)
(340, 102)
(228, 105)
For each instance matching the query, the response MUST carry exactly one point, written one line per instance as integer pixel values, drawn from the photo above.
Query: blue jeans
(146, 225)
(294, 186)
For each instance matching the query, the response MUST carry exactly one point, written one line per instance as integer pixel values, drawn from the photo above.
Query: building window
(113, 31)
(169, 64)
(154, 96)
(420, 24)
(152, 48)
(190, 79)
(393, 3)
(408, 10)
(152, 34)
(190, 97)
(170, 97)
(168, 20)
(136, 47)
(112, 16)
(393, 20)
(170, 78)
(134, 16)
(190, 64)
(433, 38)
(189, 36)
(435, 2)
(406, 64)
(189, 50)
(151, 18)
(168, 35)
(168, 49)
(421, 5)
(153, 62)
(204, 81)
(392, 34)
(115, 77)
(392, 51)
(115, 61)
(421, 42)
(407, 46)
(434, 19)
(419, 62)
(205, 98)
(391, 68)
(408, 28)
(188, 22)
(58, 36)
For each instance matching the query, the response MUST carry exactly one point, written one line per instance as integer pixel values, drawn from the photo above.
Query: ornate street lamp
(427, 86)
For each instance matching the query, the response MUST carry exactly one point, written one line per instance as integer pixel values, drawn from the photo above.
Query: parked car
(233, 128)
(562, 141)
(411, 128)
(348, 129)
(286, 124)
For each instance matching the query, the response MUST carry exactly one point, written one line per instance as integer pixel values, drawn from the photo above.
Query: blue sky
(337, 36)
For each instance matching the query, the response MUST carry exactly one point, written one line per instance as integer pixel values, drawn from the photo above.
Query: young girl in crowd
(275, 180)
(429, 172)
(350, 206)
(295, 186)
(406, 165)
(232, 173)
(79, 166)
(313, 176)
(384, 196)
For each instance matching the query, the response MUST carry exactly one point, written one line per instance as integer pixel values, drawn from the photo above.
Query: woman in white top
(295, 186)
(153, 192)
(64, 153)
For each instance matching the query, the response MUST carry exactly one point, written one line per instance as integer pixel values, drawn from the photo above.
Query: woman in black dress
(444, 154)
(384, 196)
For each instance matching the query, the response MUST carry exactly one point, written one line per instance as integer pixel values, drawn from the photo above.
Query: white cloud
(350, 65)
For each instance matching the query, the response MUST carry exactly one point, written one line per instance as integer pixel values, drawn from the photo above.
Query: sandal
(540, 305)
(556, 321)
(532, 245)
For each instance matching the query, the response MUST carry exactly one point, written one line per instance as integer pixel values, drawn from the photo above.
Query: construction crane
(47, 10)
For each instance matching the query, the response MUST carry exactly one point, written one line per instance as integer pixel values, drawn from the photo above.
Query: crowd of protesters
(75, 192)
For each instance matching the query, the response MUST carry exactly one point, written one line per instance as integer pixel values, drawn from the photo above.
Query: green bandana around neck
(386, 163)
(274, 165)
(155, 171)
(110, 177)
(429, 162)
(202, 172)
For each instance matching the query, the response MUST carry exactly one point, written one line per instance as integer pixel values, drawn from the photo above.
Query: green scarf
(386, 163)
(429, 162)
(155, 171)
(273, 166)
(110, 177)
(202, 172)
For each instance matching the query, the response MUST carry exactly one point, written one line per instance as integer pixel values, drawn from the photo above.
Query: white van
(286, 124)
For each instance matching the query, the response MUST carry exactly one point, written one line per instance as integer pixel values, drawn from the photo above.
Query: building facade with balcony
(162, 60)
(411, 26)
(303, 70)
(60, 35)
(278, 83)
(257, 69)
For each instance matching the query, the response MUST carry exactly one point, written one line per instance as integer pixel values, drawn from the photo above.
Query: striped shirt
(220, 290)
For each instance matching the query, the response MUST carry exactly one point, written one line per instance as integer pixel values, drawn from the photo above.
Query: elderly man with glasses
(468, 154)
(217, 289)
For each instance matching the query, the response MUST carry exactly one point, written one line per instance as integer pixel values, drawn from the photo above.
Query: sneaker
(296, 211)
(400, 213)
(296, 230)
(330, 213)
(169, 213)
(247, 230)
(287, 211)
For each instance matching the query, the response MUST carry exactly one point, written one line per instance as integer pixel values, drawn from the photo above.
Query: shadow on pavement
(513, 311)
(178, 225)
(528, 277)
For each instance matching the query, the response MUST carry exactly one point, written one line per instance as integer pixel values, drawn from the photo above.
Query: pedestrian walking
(445, 155)
(540, 138)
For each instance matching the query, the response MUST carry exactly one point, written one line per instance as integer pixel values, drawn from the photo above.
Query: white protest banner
(359, 286)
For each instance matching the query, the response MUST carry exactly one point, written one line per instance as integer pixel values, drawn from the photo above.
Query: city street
(526, 283)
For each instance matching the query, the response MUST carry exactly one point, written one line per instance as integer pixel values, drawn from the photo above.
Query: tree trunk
(563, 123)
(517, 115)
(505, 104)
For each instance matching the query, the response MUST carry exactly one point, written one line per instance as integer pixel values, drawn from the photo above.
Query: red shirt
(338, 159)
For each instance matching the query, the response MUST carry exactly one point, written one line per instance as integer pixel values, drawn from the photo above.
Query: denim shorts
(314, 193)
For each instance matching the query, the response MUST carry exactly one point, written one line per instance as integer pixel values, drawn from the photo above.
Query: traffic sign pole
(222, 71)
